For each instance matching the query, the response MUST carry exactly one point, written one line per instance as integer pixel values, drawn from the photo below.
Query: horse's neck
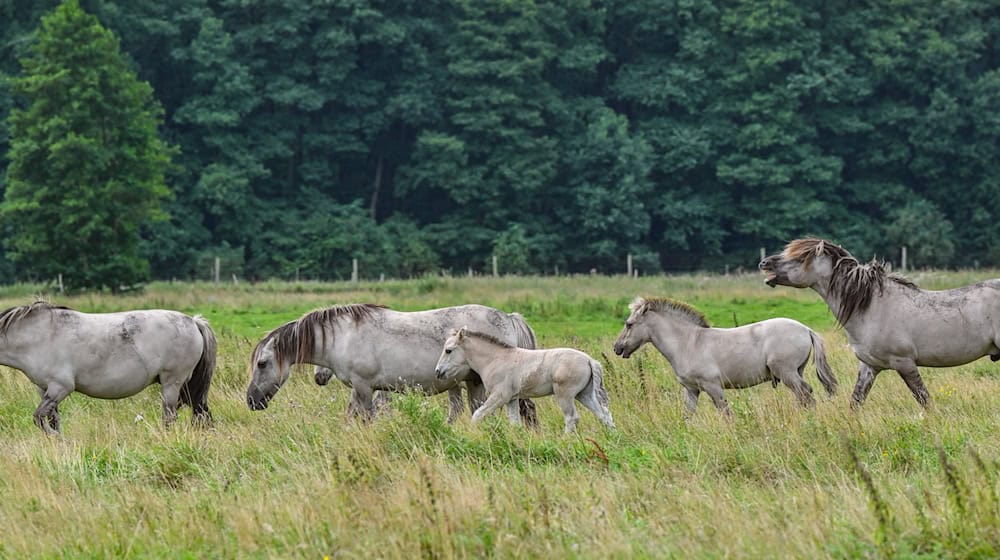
(671, 335)
(17, 348)
(481, 353)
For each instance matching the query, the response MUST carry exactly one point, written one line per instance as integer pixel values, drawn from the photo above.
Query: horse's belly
(112, 387)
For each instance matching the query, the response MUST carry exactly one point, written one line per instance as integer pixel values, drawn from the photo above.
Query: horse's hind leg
(170, 393)
(47, 413)
(793, 380)
(570, 416)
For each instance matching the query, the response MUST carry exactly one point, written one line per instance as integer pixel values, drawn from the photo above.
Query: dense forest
(427, 135)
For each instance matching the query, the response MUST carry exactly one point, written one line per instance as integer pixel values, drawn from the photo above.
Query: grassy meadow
(298, 480)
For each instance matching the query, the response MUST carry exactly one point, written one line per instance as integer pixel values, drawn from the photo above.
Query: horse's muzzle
(767, 266)
(439, 373)
(257, 399)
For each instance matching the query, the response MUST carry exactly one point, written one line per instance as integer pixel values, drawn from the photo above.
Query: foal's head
(452, 360)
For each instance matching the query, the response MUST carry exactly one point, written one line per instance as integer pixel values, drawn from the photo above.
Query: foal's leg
(455, 404)
(600, 411)
(514, 412)
(911, 376)
(570, 416)
(866, 377)
(715, 391)
(47, 413)
(496, 399)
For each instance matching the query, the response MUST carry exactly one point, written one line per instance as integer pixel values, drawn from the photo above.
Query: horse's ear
(461, 332)
(820, 247)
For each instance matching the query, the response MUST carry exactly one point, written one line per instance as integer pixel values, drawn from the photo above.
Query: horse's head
(268, 373)
(803, 264)
(635, 333)
(452, 360)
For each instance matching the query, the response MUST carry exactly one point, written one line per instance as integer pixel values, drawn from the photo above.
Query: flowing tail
(598, 393)
(195, 391)
(823, 370)
(525, 339)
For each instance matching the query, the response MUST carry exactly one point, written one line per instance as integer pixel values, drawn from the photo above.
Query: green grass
(300, 481)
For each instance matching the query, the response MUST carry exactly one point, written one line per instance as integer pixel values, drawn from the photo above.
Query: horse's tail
(195, 391)
(823, 370)
(525, 339)
(525, 336)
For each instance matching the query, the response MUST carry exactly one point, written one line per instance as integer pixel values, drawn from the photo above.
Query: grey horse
(371, 347)
(890, 322)
(710, 359)
(109, 356)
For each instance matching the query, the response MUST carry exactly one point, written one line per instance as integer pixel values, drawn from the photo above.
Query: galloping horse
(371, 347)
(510, 373)
(890, 322)
(109, 356)
(710, 360)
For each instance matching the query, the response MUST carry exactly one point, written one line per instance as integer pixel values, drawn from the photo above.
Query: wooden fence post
(628, 265)
(354, 270)
(495, 270)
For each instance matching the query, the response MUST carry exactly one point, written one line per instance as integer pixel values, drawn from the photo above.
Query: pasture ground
(300, 481)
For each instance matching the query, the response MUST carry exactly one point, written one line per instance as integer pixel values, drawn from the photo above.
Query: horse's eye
(261, 364)
(447, 351)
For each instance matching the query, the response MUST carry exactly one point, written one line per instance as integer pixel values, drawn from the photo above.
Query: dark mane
(488, 338)
(685, 311)
(10, 316)
(295, 340)
(854, 284)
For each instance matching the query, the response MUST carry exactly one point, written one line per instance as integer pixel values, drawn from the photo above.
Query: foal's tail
(525, 339)
(525, 336)
(598, 393)
(823, 370)
(195, 391)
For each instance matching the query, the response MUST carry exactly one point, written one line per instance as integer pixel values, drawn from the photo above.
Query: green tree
(86, 163)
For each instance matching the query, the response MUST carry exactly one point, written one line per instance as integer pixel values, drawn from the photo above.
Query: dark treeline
(419, 135)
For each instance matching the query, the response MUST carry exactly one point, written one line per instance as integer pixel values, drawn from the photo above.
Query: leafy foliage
(565, 133)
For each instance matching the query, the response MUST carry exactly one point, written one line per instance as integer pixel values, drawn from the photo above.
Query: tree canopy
(86, 164)
(419, 136)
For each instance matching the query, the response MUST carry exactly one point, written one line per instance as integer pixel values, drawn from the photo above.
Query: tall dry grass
(300, 481)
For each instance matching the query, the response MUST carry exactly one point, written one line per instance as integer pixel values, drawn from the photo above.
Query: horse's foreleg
(170, 394)
(455, 404)
(691, 395)
(866, 378)
(719, 399)
(47, 413)
(476, 391)
(911, 376)
(361, 405)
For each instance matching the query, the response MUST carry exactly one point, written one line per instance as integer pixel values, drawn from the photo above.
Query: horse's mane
(488, 338)
(673, 306)
(853, 283)
(10, 316)
(296, 339)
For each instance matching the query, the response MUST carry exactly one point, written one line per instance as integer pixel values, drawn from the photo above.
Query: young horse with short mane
(890, 322)
(511, 373)
(109, 356)
(373, 348)
(710, 360)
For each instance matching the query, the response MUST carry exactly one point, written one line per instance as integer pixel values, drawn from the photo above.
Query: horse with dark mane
(373, 348)
(890, 322)
(109, 356)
